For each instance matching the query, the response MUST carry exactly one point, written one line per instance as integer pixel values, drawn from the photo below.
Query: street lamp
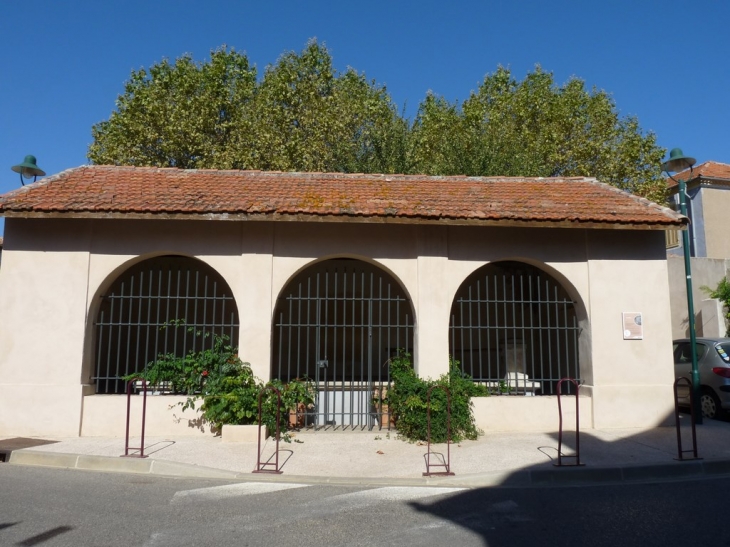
(679, 162)
(28, 169)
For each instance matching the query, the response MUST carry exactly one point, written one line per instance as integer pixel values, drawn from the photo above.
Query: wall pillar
(431, 354)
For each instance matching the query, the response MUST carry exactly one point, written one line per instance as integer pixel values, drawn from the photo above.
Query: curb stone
(568, 476)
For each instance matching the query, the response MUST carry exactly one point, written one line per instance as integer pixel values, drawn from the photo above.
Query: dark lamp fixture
(677, 162)
(28, 169)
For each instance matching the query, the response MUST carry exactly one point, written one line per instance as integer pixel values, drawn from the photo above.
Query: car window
(723, 350)
(683, 353)
(678, 351)
(701, 350)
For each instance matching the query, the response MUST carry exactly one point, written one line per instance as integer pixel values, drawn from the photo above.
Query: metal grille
(338, 324)
(135, 320)
(514, 328)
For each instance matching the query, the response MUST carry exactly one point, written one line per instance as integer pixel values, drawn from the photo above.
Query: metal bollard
(127, 448)
(680, 452)
(447, 464)
(261, 466)
(577, 427)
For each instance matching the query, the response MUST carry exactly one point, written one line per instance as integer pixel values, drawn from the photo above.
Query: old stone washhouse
(522, 280)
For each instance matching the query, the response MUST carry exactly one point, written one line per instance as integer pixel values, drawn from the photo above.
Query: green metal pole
(690, 306)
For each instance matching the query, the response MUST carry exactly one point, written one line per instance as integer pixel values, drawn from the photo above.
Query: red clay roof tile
(710, 171)
(109, 191)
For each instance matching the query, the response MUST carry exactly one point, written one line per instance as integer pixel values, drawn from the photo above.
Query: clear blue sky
(65, 62)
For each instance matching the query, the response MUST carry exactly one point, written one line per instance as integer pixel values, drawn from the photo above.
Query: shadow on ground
(529, 514)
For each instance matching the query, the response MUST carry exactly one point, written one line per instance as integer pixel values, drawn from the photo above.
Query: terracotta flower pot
(296, 417)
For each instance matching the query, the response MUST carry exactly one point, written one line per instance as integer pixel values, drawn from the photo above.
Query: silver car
(713, 362)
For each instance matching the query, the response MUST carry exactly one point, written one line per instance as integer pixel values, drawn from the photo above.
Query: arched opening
(162, 305)
(515, 328)
(338, 323)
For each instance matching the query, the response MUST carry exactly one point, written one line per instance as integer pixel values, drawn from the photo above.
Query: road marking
(391, 493)
(231, 491)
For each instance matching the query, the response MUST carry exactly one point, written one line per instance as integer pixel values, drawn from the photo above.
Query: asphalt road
(56, 507)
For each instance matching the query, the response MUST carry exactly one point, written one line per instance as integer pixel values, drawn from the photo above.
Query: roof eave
(679, 224)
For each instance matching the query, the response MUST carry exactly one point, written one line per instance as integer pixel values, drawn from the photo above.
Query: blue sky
(65, 62)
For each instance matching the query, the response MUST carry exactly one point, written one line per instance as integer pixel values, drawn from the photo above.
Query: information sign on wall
(633, 329)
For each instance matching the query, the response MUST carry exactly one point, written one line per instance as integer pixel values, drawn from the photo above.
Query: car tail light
(722, 371)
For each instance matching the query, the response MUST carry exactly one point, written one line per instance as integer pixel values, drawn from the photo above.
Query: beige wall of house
(49, 289)
(706, 272)
(715, 205)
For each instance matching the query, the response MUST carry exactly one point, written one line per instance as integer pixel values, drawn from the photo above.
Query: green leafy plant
(722, 293)
(503, 387)
(188, 374)
(229, 395)
(408, 400)
(224, 387)
(297, 396)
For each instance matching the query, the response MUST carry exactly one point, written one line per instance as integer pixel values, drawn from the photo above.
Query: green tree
(302, 115)
(180, 114)
(536, 128)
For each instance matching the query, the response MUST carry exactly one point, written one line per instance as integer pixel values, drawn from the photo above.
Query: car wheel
(710, 404)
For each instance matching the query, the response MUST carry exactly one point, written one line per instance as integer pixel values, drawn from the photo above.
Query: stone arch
(156, 305)
(338, 322)
(519, 328)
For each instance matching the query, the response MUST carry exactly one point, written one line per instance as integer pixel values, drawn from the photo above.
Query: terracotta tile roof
(708, 172)
(146, 192)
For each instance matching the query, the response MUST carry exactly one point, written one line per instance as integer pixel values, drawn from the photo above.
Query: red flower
(205, 373)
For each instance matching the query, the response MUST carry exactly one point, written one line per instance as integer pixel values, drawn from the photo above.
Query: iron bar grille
(338, 323)
(514, 328)
(135, 322)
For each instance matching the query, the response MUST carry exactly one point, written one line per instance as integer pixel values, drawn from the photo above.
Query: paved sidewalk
(376, 457)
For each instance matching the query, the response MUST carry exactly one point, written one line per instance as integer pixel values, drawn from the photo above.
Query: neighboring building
(708, 203)
(523, 280)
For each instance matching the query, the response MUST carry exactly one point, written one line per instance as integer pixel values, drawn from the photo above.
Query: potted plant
(297, 396)
(380, 404)
(225, 388)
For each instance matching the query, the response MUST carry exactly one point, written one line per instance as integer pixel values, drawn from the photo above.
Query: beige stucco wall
(705, 272)
(715, 205)
(54, 271)
(43, 316)
(632, 378)
(509, 413)
(106, 416)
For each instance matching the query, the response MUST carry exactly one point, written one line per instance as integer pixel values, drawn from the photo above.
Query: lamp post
(28, 169)
(679, 162)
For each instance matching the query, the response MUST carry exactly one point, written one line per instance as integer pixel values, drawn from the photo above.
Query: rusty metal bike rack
(127, 448)
(577, 427)
(447, 464)
(262, 467)
(680, 452)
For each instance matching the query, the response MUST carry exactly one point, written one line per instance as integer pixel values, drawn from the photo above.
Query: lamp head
(28, 169)
(677, 162)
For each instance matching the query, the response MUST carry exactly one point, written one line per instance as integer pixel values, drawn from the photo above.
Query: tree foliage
(183, 114)
(538, 129)
(303, 115)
